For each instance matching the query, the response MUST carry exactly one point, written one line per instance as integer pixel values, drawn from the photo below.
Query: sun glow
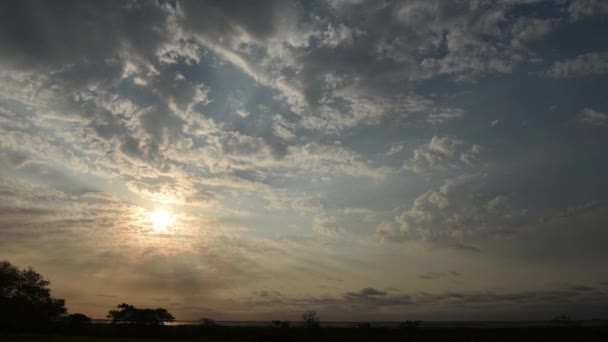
(161, 219)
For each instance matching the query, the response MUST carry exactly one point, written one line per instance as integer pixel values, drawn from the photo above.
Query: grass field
(58, 338)
(342, 335)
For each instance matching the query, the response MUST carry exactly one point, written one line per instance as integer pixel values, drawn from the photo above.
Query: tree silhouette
(25, 298)
(311, 320)
(131, 315)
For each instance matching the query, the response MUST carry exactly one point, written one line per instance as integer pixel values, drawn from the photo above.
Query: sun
(161, 219)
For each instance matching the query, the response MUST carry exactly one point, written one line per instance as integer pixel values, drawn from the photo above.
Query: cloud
(441, 115)
(594, 63)
(333, 159)
(528, 29)
(437, 275)
(538, 304)
(368, 292)
(579, 9)
(326, 225)
(441, 153)
(65, 40)
(282, 128)
(347, 70)
(268, 127)
(454, 214)
(593, 117)
(394, 149)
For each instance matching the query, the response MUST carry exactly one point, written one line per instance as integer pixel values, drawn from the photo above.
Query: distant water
(425, 324)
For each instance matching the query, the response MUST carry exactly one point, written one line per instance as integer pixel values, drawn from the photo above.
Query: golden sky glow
(161, 219)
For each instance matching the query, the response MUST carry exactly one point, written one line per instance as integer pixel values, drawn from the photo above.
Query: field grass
(341, 335)
(55, 338)
(60, 338)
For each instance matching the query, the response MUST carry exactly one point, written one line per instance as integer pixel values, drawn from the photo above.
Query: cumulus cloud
(441, 153)
(455, 214)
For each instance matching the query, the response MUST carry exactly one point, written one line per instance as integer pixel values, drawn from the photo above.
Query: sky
(370, 160)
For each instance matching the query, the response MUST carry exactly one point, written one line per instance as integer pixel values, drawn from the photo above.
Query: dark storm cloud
(57, 34)
(226, 19)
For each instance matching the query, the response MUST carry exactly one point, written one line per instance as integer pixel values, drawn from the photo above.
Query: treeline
(26, 305)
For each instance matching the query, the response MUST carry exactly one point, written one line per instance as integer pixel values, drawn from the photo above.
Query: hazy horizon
(370, 160)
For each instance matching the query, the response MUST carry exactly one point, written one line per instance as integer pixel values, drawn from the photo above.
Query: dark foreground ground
(173, 334)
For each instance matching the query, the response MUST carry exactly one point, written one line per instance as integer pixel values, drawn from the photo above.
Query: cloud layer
(303, 149)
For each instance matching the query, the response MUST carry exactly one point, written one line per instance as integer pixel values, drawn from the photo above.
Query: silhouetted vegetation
(311, 320)
(25, 299)
(364, 325)
(26, 305)
(280, 324)
(208, 323)
(131, 315)
(409, 324)
(77, 319)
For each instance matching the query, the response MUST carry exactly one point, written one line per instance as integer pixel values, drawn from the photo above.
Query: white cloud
(590, 116)
(242, 113)
(394, 149)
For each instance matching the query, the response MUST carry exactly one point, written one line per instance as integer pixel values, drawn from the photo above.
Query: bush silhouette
(208, 323)
(132, 315)
(280, 324)
(407, 325)
(77, 319)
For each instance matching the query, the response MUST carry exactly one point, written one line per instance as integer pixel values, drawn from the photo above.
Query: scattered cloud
(594, 63)
(579, 9)
(285, 139)
(455, 213)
